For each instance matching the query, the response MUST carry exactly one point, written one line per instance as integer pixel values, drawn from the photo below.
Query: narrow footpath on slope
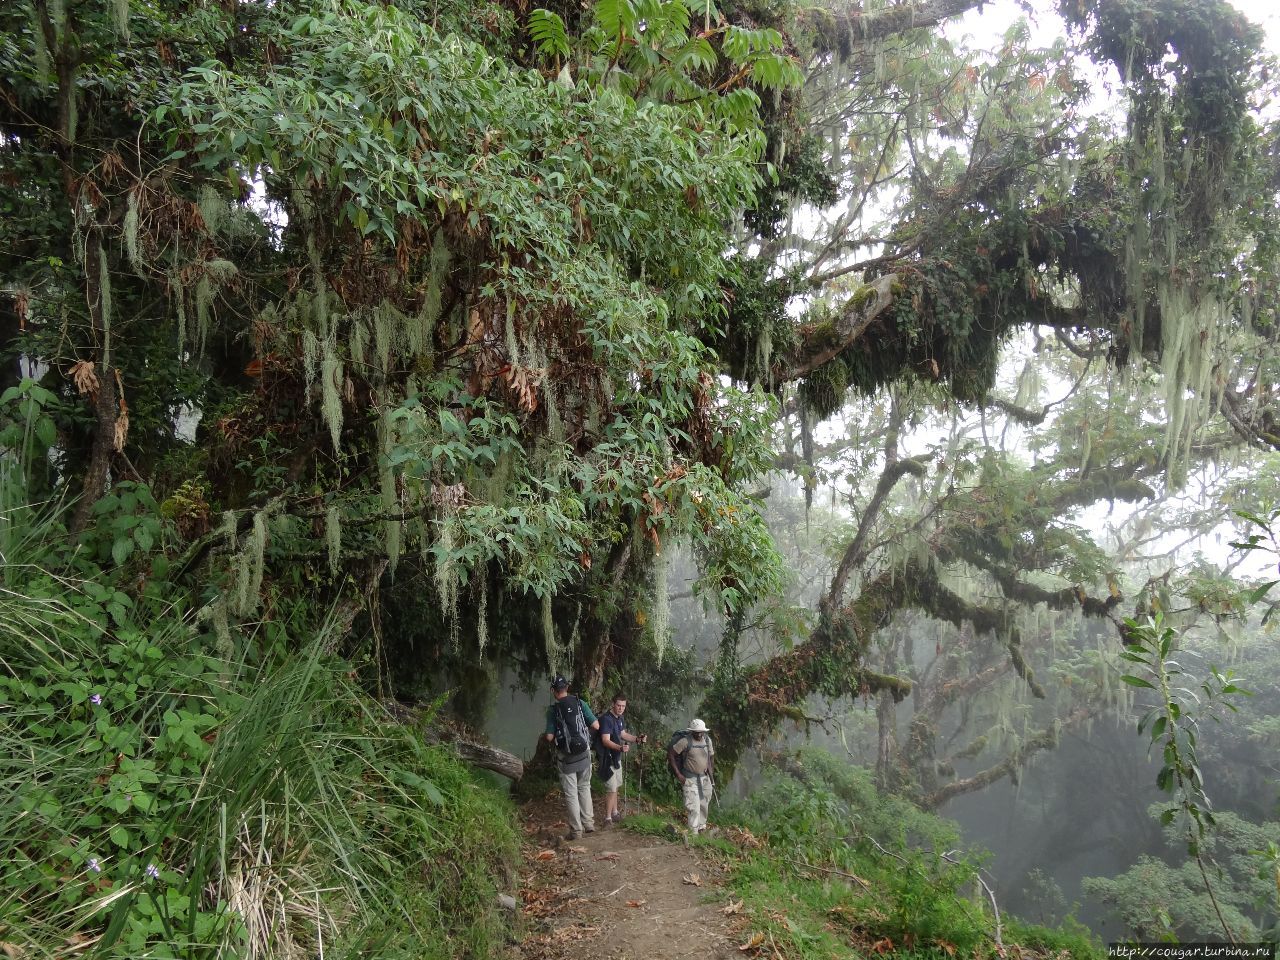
(619, 895)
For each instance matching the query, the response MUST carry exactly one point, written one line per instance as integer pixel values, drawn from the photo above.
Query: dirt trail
(617, 895)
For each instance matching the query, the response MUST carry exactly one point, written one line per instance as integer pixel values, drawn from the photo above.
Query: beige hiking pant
(577, 799)
(697, 798)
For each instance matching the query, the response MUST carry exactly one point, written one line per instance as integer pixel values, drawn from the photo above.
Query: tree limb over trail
(842, 31)
(849, 324)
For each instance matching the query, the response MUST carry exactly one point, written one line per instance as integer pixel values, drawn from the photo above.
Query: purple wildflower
(95, 866)
(152, 871)
(96, 699)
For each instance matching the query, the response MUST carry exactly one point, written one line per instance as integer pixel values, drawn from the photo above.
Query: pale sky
(1046, 24)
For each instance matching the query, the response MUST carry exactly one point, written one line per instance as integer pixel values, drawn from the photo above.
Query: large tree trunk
(886, 741)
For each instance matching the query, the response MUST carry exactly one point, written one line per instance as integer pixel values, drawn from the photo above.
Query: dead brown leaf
(883, 945)
(122, 419)
(734, 906)
(85, 378)
(692, 879)
(545, 855)
(611, 856)
(636, 903)
(754, 943)
(743, 837)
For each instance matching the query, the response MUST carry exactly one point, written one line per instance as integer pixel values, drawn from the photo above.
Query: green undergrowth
(826, 866)
(164, 794)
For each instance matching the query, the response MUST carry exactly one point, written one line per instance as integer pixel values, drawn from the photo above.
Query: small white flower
(153, 871)
(95, 865)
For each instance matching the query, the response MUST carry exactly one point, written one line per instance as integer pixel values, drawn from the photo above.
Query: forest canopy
(499, 305)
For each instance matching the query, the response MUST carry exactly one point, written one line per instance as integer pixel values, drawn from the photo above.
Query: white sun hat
(698, 727)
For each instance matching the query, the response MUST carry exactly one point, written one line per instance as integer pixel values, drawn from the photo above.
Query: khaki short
(614, 783)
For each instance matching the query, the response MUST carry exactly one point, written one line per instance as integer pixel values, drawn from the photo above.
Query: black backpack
(572, 738)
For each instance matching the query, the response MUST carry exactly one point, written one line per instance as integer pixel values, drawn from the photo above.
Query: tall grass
(159, 801)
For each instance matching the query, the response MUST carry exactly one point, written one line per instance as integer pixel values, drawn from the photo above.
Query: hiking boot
(573, 835)
(591, 828)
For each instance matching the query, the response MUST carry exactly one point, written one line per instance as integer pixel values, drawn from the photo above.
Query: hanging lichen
(331, 392)
(549, 636)
(333, 538)
(310, 357)
(219, 616)
(180, 310)
(358, 343)
(446, 579)
(420, 334)
(130, 230)
(213, 209)
(204, 302)
(249, 566)
(386, 324)
(482, 616)
(660, 621)
(500, 479)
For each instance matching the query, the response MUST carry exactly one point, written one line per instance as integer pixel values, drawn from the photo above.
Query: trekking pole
(623, 808)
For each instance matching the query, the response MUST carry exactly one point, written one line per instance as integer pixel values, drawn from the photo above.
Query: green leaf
(1260, 591)
(46, 431)
(121, 549)
(433, 793)
(1137, 681)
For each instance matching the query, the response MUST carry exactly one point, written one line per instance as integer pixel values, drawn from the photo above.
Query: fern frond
(549, 35)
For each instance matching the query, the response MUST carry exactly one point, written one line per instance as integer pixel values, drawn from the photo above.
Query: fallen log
(489, 758)
(453, 734)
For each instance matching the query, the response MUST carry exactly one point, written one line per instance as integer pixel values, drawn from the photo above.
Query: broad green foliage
(412, 295)
(671, 50)
(856, 868)
(1156, 900)
(1175, 719)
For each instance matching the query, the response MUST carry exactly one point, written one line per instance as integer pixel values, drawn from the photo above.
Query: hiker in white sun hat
(692, 759)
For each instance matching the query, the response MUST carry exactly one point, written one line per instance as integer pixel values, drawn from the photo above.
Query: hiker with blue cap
(569, 725)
